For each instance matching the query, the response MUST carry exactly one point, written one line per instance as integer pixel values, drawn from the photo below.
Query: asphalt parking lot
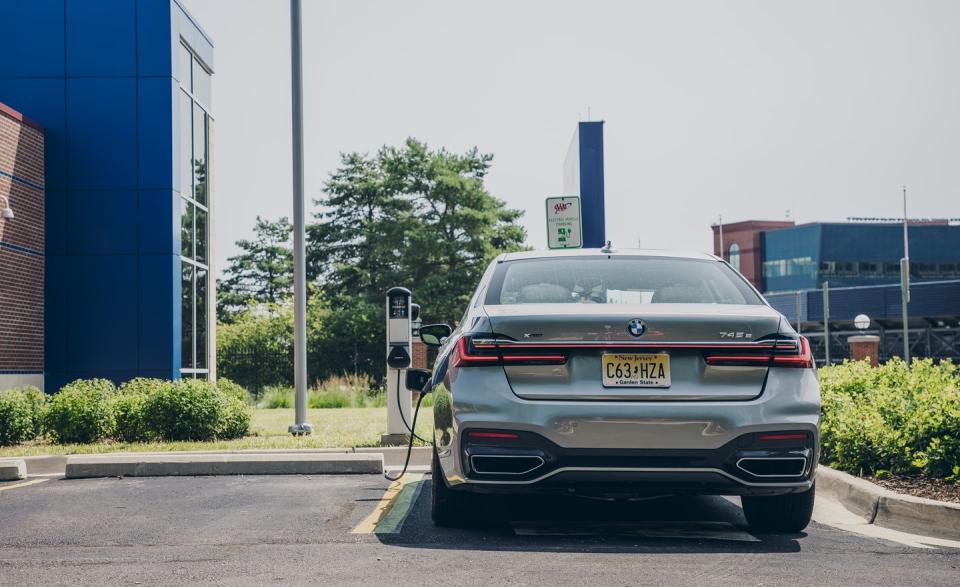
(257, 530)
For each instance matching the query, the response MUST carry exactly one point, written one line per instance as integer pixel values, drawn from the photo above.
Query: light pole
(300, 426)
(905, 282)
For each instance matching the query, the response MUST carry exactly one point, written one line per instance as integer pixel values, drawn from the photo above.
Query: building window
(734, 256)
(194, 213)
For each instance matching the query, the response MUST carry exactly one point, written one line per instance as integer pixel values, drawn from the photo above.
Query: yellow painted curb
(386, 503)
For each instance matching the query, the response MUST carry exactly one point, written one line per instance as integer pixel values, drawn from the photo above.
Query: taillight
(466, 354)
(793, 354)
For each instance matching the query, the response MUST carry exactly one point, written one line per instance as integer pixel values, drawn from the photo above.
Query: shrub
(38, 405)
(129, 409)
(892, 419)
(186, 409)
(17, 417)
(331, 399)
(81, 412)
(277, 397)
(234, 418)
(232, 389)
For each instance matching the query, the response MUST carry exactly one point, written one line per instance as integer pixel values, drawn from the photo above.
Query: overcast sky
(746, 109)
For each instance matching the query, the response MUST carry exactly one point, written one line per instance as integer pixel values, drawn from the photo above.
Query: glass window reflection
(199, 155)
(186, 317)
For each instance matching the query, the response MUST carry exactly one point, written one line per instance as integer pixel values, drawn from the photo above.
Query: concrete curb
(127, 465)
(392, 456)
(888, 509)
(13, 470)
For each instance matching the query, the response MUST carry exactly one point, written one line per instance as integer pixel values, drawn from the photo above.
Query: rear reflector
(500, 435)
(797, 436)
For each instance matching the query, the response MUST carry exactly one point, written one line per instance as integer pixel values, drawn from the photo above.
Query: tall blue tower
(122, 89)
(583, 176)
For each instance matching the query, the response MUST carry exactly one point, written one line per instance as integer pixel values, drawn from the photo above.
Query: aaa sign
(563, 223)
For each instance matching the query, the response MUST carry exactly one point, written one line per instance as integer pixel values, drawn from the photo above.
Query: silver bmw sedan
(624, 373)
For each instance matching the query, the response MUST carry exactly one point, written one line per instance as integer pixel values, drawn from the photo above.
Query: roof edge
(19, 117)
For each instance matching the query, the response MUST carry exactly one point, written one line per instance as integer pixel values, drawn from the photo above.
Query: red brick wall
(419, 355)
(21, 244)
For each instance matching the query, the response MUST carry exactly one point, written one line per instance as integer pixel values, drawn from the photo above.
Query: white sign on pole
(564, 230)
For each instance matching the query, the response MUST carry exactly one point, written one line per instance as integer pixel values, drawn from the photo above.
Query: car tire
(787, 514)
(447, 507)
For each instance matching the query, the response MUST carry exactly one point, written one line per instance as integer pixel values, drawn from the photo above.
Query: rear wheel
(779, 513)
(447, 507)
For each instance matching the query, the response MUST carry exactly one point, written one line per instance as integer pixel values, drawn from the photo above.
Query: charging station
(399, 316)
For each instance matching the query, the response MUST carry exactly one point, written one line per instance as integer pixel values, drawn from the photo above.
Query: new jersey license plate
(636, 370)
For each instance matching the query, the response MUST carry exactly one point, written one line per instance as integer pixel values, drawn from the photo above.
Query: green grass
(334, 428)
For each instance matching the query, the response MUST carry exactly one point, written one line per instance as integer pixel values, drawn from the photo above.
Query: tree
(413, 217)
(261, 274)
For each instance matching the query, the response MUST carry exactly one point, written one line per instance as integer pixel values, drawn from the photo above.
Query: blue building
(123, 91)
(853, 254)
(583, 176)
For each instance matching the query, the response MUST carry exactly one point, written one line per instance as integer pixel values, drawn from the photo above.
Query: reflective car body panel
(699, 435)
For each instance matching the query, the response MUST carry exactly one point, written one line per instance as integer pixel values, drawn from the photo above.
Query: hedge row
(892, 419)
(140, 410)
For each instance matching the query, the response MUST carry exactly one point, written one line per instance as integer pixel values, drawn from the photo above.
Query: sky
(815, 110)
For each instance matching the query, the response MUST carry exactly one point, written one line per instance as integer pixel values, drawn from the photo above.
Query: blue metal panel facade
(928, 301)
(98, 75)
(852, 255)
(790, 258)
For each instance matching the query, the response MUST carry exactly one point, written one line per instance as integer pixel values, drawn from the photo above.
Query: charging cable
(403, 419)
(406, 462)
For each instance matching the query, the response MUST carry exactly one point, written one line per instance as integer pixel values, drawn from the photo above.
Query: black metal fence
(258, 366)
(930, 342)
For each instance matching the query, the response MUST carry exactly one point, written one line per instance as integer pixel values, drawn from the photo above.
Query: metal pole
(798, 311)
(300, 426)
(826, 322)
(905, 282)
(720, 220)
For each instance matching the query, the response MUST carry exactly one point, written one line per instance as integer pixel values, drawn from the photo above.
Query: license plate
(636, 370)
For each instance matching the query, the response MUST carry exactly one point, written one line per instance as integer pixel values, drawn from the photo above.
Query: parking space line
(23, 484)
(389, 504)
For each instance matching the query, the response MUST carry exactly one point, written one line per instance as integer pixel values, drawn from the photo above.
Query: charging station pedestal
(399, 357)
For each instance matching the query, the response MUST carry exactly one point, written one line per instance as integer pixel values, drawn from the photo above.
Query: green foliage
(235, 416)
(277, 397)
(187, 409)
(408, 216)
(37, 400)
(893, 418)
(20, 413)
(234, 390)
(261, 274)
(81, 412)
(129, 405)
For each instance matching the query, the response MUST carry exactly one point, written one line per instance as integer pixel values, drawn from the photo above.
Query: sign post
(564, 224)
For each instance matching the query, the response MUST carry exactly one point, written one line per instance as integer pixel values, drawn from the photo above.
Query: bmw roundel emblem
(636, 327)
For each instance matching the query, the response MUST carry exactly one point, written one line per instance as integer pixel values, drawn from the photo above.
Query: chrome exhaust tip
(773, 466)
(490, 464)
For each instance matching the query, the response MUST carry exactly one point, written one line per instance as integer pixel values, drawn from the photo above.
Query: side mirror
(433, 334)
(417, 380)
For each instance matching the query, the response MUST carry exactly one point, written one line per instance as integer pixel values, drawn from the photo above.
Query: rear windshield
(618, 280)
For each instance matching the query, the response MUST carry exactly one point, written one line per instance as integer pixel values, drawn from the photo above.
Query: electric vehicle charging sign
(564, 230)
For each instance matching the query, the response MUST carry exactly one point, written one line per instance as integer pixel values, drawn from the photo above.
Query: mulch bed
(928, 487)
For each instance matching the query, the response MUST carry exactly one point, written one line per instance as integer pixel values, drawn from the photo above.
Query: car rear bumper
(754, 463)
(632, 447)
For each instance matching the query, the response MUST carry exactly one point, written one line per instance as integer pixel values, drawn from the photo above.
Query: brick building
(743, 248)
(21, 250)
